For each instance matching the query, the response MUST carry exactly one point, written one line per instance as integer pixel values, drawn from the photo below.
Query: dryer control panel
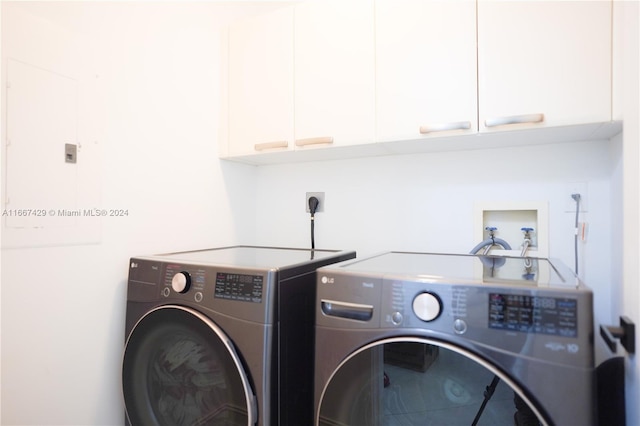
(182, 280)
(232, 291)
(241, 287)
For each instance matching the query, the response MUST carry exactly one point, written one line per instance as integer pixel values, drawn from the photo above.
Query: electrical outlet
(576, 188)
(319, 196)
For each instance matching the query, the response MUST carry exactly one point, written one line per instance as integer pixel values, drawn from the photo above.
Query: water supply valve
(526, 231)
(525, 245)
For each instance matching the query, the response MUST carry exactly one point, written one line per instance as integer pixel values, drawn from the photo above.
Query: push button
(459, 326)
(396, 318)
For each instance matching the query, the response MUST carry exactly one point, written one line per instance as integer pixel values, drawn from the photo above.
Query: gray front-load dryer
(438, 339)
(222, 336)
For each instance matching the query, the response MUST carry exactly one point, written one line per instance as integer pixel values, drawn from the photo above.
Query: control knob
(427, 306)
(181, 282)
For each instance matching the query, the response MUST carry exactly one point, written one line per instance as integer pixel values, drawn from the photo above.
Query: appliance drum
(419, 381)
(179, 368)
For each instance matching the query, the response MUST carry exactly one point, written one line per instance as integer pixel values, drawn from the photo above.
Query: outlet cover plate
(319, 196)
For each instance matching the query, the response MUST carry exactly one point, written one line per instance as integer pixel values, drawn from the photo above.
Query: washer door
(412, 381)
(179, 368)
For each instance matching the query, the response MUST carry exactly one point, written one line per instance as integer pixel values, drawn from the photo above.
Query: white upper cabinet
(543, 63)
(334, 73)
(426, 75)
(260, 77)
(403, 76)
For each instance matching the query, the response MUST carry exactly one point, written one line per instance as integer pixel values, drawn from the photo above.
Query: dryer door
(413, 381)
(180, 368)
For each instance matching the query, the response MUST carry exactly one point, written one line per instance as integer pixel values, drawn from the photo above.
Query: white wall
(63, 307)
(628, 296)
(426, 202)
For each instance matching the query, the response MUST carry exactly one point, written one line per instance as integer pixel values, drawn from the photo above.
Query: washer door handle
(347, 310)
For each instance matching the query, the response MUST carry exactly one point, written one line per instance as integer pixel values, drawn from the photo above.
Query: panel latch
(70, 153)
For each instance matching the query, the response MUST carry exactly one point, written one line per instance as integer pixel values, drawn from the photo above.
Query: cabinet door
(334, 72)
(261, 83)
(544, 60)
(425, 68)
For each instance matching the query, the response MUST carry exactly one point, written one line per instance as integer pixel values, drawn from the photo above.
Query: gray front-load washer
(440, 339)
(222, 336)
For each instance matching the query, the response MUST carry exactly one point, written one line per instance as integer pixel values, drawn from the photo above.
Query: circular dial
(427, 306)
(180, 282)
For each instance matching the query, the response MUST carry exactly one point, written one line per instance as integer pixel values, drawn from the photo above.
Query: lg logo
(326, 280)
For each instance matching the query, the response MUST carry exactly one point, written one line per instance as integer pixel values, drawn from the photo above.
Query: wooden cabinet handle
(443, 127)
(270, 145)
(314, 141)
(514, 119)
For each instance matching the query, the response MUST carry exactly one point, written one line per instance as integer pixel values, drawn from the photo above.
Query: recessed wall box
(510, 218)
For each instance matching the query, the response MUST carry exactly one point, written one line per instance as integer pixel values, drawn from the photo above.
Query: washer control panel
(556, 323)
(457, 298)
(462, 309)
(534, 314)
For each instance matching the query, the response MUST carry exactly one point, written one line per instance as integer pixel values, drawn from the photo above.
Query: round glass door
(415, 382)
(179, 368)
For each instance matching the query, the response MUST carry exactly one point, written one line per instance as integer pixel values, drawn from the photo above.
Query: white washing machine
(439, 339)
(222, 336)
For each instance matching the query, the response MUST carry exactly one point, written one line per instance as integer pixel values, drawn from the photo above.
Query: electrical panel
(51, 131)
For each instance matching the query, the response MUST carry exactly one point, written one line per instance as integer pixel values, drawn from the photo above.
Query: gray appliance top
(465, 268)
(254, 257)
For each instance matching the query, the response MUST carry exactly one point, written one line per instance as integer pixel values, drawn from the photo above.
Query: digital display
(241, 287)
(534, 314)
